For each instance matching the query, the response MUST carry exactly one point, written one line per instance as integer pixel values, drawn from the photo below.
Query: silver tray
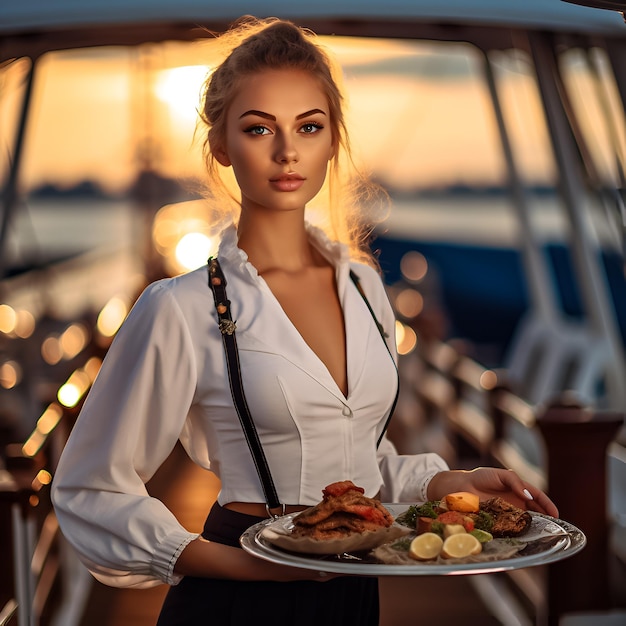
(548, 540)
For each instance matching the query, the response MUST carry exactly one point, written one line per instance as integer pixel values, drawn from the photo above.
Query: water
(472, 242)
(58, 227)
(45, 229)
(487, 220)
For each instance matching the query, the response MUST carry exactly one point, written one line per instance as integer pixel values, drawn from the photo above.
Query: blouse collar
(335, 252)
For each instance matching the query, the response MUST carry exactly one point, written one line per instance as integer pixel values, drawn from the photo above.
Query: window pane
(422, 116)
(593, 93)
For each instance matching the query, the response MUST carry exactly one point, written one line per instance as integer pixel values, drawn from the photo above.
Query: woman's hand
(488, 482)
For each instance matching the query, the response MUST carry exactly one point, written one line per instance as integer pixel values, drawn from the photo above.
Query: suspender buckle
(275, 515)
(227, 327)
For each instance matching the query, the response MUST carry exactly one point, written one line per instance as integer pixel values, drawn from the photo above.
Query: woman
(318, 376)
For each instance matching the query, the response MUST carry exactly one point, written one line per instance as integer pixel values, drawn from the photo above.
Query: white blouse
(164, 378)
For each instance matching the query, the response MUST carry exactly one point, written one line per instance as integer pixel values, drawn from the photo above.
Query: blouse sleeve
(405, 476)
(129, 424)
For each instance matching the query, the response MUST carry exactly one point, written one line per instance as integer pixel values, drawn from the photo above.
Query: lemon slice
(425, 547)
(459, 546)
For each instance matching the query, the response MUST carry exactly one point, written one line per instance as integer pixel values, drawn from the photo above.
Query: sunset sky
(419, 113)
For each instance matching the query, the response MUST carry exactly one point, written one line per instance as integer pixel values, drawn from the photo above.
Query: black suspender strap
(357, 283)
(227, 326)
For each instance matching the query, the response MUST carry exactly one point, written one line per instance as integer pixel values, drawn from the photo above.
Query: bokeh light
(184, 235)
(71, 392)
(488, 380)
(192, 250)
(10, 374)
(414, 266)
(51, 350)
(45, 424)
(92, 367)
(24, 324)
(406, 339)
(73, 340)
(409, 303)
(112, 315)
(8, 319)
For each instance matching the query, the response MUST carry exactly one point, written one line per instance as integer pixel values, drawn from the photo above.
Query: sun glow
(180, 89)
(402, 97)
(192, 250)
(184, 235)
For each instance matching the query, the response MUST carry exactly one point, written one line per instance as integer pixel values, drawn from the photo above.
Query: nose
(286, 151)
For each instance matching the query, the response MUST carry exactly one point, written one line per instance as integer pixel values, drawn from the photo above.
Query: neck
(275, 242)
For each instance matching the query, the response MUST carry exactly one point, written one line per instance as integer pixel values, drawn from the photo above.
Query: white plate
(548, 540)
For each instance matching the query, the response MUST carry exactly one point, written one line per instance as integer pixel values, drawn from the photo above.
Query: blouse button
(347, 411)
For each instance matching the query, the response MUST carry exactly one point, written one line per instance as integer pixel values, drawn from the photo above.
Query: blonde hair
(254, 45)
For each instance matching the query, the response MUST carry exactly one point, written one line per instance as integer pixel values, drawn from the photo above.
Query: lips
(287, 182)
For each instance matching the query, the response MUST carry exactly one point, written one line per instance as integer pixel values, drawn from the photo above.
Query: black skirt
(344, 601)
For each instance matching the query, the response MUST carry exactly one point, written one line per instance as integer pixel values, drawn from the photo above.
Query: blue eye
(257, 130)
(311, 127)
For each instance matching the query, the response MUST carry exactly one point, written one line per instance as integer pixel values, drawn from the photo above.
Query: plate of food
(349, 533)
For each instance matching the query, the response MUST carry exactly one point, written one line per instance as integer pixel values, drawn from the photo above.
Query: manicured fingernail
(528, 494)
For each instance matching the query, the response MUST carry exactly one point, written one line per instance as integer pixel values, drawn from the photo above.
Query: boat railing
(43, 581)
(44, 570)
(562, 446)
(24, 491)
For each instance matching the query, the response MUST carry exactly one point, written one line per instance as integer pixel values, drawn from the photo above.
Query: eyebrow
(269, 116)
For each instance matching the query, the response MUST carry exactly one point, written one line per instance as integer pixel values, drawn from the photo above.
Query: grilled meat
(508, 520)
(343, 510)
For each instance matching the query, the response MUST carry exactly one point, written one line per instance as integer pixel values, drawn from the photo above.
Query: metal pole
(537, 272)
(9, 193)
(21, 566)
(593, 284)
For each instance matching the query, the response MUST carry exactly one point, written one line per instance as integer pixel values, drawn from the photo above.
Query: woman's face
(278, 140)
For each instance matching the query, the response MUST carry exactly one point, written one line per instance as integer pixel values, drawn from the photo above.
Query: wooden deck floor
(189, 492)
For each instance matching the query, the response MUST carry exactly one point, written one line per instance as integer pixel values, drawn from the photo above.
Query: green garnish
(482, 521)
(410, 517)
